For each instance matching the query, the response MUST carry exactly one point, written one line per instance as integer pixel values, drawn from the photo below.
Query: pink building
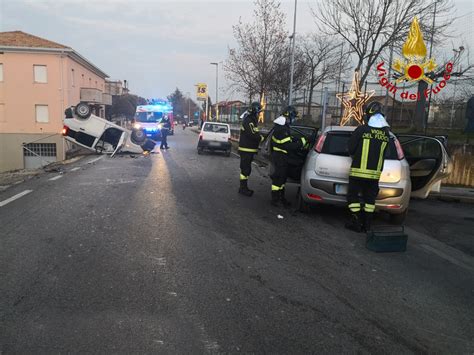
(39, 79)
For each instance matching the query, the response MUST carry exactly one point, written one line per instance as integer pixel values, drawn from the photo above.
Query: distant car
(95, 133)
(323, 172)
(214, 136)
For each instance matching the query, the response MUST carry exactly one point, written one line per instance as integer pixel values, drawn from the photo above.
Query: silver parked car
(414, 165)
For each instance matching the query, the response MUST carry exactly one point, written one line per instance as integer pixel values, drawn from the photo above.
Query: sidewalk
(10, 178)
(454, 194)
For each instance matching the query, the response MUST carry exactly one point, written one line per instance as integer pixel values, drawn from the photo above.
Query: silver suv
(414, 165)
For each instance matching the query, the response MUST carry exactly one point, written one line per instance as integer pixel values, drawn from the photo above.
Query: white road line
(56, 177)
(13, 198)
(76, 168)
(94, 160)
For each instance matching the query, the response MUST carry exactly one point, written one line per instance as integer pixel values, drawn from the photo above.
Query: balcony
(92, 96)
(107, 99)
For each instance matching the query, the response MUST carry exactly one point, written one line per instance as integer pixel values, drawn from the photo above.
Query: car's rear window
(336, 144)
(216, 128)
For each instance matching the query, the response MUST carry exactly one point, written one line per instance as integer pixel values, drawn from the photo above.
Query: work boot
(283, 200)
(367, 221)
(275, 198)
(244, 190)
(355, 223)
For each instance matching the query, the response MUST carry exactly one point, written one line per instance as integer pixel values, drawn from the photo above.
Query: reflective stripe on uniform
(276, 149)
(354, 207)
(281, 141)
(243, 177)
(365, 173)
(277, 188)
(369, 208)
(253, 128)
(249, 150)
(365, 154)
(382, 151)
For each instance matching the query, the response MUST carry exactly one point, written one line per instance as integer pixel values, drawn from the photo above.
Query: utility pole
(325, 104)
(217, 89)
(293, 37)
(425, 121)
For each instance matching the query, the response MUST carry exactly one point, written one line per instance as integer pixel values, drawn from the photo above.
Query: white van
(214, 136)
(97, 134)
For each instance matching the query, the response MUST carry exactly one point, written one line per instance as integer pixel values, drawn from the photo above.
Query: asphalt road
(160, 254)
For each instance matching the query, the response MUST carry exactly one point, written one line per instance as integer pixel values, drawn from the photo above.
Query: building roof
(22, 39)
(18, 41)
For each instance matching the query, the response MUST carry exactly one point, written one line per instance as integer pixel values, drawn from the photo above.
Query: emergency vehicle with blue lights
(149, 117)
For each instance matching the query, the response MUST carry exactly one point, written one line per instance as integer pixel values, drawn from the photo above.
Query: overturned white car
(95, 133)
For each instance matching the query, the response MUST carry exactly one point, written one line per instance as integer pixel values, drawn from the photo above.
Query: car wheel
(227, 153)
(138, 136)
(83, 110)
(398, 219)
(303, 206)
(200, 150)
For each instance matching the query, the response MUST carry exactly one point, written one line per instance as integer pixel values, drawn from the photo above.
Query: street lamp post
(189, 107)
(217, 89)
(293, 37)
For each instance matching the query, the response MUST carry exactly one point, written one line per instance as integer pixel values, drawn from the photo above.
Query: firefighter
(281, 145)
(367, 146)
(250, 138)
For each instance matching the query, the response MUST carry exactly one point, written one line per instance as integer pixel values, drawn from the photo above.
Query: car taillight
(400, 153)
(394, 207)
(200, 137)
(319, 146)
(64, 131)
(315, 197)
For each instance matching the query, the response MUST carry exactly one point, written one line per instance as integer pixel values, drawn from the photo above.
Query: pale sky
(159, 45)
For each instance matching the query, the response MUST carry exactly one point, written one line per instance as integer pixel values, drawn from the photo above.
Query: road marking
(76, 168)
(56, 177)
(13, 198)
(94, 160)
(447, 257)
(238, 156)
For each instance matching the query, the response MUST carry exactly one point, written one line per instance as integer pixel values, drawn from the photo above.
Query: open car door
(120, 143)
(296, 159)
(429, 162)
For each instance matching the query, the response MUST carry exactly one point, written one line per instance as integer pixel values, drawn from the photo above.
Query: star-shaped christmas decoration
(353, 101)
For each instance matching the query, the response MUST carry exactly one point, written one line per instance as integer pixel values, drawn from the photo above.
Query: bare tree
(280, 83)
(324, 59)
(371, 26)
(254, 64)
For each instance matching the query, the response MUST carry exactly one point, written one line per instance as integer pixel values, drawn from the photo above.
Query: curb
(451, 198)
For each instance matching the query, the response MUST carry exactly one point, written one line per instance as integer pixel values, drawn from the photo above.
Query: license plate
(214, 144)
(340, 189)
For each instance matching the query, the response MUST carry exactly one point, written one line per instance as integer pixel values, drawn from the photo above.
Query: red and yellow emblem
(414, 67)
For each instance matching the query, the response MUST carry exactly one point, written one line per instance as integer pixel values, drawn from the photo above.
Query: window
(82, 82)
(41, 149)
(336, 144)
(90, 82)
(215, 128)
(96, 83)
(1, 72)
(40, 73)
(73, 78)
(42, 113)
